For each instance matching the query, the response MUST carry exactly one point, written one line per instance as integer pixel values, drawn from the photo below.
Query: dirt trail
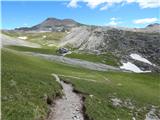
(69, 107)
(86, 79)
(76, 62)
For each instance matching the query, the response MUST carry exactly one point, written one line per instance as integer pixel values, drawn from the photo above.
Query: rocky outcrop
(120, 42)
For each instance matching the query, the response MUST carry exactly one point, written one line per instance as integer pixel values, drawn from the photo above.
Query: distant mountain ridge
(154, 25)
(53, 24)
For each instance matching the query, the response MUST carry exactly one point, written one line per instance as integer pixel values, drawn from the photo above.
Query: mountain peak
(58, 22)
(154, 25)
(51, 18)
(53, 24)
(71, 20)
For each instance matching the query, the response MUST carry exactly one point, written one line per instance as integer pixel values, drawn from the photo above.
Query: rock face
(63, 50)
(120, 42)
(53, 24)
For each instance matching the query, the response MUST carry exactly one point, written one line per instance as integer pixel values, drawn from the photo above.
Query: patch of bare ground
(70, 106)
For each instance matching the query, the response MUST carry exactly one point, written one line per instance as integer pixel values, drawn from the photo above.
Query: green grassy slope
(25, 83)
(107, 58)
(51, 50)
(26, 79)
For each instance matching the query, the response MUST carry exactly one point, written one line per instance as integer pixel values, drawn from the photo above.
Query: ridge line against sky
(128, 13)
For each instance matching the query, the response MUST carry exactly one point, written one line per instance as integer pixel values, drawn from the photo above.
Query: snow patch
(140, 58)
(91, 96)
(23, 37)
(44, 36)
(43, 31)
(132, 67)
(133, 118)
(50, 45)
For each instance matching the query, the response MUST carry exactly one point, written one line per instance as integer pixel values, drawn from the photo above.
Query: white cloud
(113, 18)
(114, 21)
(105, 7)
(149, 3)
(145, 21)
(94, 3)
(73, 3)
(107, 3)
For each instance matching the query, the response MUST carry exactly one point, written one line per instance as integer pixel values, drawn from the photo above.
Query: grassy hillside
(136, 92)
(107, 58)
(42, 38)
(26, 80)
(51, 50)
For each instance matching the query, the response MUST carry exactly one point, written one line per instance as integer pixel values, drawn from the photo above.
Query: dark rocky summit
(52, 24)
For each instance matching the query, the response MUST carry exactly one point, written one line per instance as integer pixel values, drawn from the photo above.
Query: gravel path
(69, 107)
(77, 62)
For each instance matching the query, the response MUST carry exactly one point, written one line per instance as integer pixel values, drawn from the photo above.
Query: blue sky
(29, 13)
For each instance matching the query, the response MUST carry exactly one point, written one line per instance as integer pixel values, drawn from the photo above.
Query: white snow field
(140, 58)
(23, 37)
(132, 67)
